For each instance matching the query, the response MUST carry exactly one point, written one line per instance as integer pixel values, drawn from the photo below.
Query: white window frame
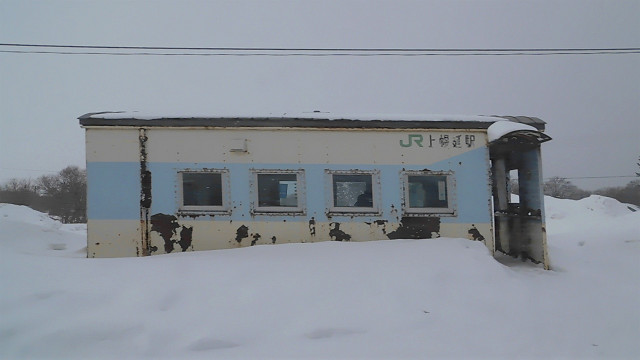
(333, 210)
(451, 210)
(278, 210)
(225, 208)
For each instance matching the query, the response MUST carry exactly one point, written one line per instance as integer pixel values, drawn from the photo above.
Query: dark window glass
(352, 191)
(277, 190)
(201, 189)
(428, 191)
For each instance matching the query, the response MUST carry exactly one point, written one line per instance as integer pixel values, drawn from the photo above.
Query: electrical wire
(282, 51)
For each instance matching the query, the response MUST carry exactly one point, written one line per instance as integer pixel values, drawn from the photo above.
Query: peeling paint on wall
(394, 212)
(256, 237)
(145, 195)
(166, 226)
(185, 237)
(475, 233)
(312, 226)
(382, 224)
(417, 228)
(338, 235)
(241, 233)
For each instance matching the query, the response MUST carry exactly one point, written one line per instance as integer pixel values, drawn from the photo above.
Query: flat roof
(305, 120)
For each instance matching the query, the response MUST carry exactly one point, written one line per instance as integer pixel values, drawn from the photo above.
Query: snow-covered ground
(423, 299)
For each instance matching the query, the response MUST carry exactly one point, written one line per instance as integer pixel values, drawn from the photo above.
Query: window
(278, 191)
(353, 191)
(203, 190)
(428, 192)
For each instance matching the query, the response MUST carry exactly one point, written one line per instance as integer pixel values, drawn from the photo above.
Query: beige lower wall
(213, 235)
(113, 238)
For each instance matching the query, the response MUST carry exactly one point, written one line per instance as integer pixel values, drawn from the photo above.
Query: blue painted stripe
(113, 190)
(118, 184)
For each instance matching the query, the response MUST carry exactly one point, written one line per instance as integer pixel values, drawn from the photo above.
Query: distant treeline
(561, 188)
(63, 195)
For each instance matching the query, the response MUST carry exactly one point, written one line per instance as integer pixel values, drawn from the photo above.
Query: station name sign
(443, 141)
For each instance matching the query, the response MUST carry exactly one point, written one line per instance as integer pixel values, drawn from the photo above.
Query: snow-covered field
(424, 299)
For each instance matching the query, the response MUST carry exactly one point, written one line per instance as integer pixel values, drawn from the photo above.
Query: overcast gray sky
(590, 102)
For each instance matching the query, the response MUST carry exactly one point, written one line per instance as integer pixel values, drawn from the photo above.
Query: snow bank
(26, 215)
(594, 213)
(387, 299)
(592, 206)
(27, 231)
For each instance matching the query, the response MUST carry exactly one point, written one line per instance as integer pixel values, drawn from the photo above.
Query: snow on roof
(500, 128)
(315, 119)
(319, 115)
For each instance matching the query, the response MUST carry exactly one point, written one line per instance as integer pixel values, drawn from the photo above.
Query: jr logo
(413, 138)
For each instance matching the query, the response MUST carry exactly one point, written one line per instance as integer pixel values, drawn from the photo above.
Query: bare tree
(562, 188)
(629, 194)
(62, 195)
(19, 192)
(65, 194)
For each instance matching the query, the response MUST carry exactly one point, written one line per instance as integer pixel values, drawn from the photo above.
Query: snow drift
(387, 299)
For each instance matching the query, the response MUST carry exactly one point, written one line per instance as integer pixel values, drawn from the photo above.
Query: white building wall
(117, 228)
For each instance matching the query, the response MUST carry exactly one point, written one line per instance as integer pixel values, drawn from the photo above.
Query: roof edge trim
(89, 120)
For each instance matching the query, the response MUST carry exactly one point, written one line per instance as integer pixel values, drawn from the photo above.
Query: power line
(283, 51)
(594, 177)
(22, 169)
(316, 54)
(312, 49)
(587, 177)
